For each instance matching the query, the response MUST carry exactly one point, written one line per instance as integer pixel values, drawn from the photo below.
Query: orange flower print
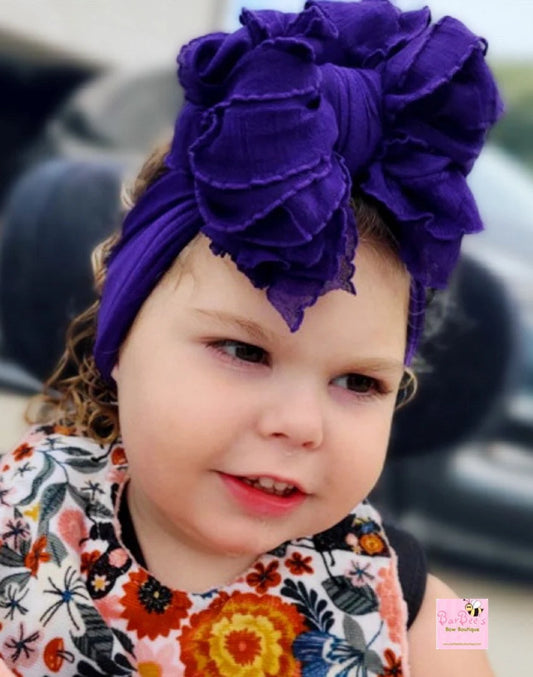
(150, 608)
(242, 635)
(393, 667)
(88, 559)
(390, 607)
(22, 452)
(299, 565)
(263, 577)
(118, 456)
(36, 555)
(372, 544)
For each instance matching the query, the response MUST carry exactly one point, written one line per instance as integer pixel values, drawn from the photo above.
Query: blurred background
(89, 87)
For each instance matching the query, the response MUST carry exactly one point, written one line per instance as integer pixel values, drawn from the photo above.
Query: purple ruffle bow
(281, 118)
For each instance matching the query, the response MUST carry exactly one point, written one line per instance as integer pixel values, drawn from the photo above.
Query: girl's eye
(359, 383)
(244, 352)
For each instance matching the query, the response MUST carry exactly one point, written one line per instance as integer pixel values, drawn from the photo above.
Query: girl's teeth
(265, 482)
(282, 486)
(270, 486)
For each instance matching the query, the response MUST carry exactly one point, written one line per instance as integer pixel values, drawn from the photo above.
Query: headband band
(284, 119)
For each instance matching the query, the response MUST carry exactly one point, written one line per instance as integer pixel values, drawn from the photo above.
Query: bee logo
(473, 607)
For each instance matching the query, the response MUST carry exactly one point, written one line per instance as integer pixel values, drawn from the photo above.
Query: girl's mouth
(270, 486)
(264, 496)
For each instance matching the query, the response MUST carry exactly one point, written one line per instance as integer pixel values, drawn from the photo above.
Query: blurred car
(473, 504)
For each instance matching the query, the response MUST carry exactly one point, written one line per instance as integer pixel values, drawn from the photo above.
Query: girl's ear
(114, 372)
(407, 389)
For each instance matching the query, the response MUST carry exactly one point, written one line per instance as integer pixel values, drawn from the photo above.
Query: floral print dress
(75, 602)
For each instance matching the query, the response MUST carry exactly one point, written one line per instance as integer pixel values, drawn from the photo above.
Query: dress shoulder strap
(412, 568)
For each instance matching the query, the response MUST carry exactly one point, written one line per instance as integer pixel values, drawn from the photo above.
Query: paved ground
(511, 603)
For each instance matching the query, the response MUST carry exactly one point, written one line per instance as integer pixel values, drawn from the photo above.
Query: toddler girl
(193, 498)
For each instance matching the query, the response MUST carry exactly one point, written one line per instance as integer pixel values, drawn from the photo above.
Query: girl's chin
(247, 550)
(236, 550)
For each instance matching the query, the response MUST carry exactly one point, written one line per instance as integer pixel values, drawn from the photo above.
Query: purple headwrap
(282, 118)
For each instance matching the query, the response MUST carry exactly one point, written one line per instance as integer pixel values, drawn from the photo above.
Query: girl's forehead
(198, 261)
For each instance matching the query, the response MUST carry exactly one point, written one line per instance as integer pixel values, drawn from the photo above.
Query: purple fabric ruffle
(283, 120)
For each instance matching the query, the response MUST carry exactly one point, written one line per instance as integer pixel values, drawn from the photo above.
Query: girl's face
(240, 434)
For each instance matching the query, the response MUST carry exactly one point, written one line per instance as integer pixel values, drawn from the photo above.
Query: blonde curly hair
(76, 396)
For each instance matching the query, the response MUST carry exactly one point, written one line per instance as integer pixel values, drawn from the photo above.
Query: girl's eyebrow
(381, 364)
(232, 321)
(266, 336)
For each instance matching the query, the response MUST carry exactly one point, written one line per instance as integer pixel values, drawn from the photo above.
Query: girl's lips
(260, 502)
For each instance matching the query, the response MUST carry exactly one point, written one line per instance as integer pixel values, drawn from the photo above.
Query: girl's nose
(294, 416)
